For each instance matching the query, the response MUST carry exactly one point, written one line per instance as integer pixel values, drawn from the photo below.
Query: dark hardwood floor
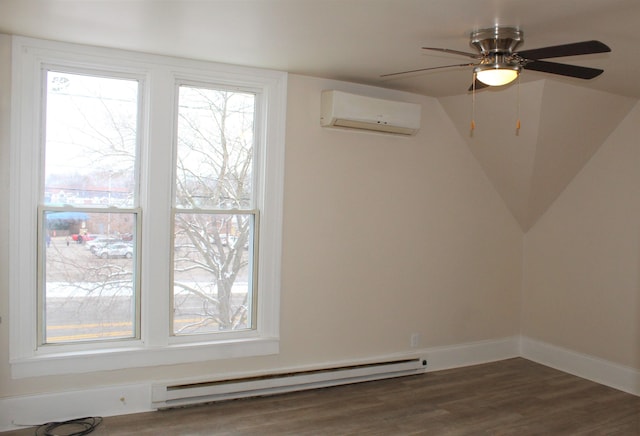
(510, 397)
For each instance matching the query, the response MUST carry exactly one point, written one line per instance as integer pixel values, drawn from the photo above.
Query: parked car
(119, 249)
(97, 243)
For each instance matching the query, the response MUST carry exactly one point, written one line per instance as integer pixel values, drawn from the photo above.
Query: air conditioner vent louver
(341, 109)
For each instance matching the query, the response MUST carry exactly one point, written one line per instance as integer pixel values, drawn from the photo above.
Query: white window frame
(159, 76)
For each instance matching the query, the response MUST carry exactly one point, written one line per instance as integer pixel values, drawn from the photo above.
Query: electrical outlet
(414, 340)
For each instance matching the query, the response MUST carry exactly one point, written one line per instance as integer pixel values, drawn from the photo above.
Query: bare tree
(214, 175)
(214, 214)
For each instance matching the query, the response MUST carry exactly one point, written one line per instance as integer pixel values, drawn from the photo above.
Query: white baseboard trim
(582, 365)
(30, 410)
(472, 353)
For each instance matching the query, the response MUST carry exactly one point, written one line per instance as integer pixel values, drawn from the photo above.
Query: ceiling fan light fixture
(496, 74)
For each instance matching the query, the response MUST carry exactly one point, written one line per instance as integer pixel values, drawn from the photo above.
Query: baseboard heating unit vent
(174, 395)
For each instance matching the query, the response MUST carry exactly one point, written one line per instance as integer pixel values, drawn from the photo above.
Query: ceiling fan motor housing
(497, 66)
(497, 40)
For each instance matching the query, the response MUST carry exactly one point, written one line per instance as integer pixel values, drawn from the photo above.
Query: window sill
(78, 362)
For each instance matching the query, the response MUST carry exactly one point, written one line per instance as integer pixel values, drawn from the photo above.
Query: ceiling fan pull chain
(473, 103)
(518, 108)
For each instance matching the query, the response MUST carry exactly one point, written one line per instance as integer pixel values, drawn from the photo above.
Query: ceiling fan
(499, 64)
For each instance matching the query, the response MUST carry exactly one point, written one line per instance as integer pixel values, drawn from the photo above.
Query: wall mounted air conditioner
(341, 109)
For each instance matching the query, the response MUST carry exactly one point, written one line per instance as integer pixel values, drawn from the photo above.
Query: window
(213, 261)
(88, 287)
(146, 208)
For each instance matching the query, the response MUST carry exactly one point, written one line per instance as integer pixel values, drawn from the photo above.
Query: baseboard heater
(176, 395)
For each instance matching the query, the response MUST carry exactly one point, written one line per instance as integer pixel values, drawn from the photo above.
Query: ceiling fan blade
(448, 50)
(419, 70)
(574, 49)
(563, 69)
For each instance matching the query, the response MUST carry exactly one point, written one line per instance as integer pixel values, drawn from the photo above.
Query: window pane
(215, 149)
(212, 273)
(91, 125)
(89, 257)
(89, 278)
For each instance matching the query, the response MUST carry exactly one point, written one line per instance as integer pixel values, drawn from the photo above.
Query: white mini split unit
(341, 109)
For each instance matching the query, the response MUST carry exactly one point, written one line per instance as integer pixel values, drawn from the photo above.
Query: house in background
(452, 246)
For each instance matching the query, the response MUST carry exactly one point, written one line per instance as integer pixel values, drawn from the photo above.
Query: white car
(119, 249)
(99, 242)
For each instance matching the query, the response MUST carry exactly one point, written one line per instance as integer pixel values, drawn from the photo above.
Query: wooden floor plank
(510, 397)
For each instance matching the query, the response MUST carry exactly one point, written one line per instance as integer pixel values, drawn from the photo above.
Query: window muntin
(213, 286)
(88, 288)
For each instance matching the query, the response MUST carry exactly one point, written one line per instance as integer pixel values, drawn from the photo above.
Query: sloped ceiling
(561, 127)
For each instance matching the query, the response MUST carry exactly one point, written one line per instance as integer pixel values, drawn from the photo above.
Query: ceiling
(359, 40)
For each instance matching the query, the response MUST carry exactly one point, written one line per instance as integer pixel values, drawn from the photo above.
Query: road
(91, 298)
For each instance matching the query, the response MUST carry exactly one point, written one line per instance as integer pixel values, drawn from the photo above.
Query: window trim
(155, 346)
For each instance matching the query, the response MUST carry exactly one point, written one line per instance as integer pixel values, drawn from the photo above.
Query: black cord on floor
(77, 427)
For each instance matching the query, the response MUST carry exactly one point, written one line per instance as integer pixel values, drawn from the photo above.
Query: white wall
(384, 236)
(581, 285)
